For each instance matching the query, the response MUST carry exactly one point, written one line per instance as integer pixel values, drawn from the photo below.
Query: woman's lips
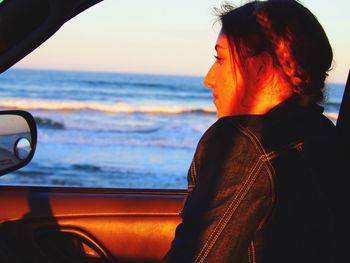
(215, 98)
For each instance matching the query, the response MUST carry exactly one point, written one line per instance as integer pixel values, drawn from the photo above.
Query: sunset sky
(164, 37)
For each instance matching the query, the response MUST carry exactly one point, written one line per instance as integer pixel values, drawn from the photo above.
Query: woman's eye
(217, 57)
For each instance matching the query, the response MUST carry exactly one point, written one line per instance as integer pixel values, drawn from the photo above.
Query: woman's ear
(260, 67)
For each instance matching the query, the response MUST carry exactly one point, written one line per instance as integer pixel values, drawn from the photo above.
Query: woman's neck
(271, 93)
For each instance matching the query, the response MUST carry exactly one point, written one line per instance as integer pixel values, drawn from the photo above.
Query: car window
(118, 98)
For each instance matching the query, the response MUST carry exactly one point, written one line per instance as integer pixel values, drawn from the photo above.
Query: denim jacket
(258, 190)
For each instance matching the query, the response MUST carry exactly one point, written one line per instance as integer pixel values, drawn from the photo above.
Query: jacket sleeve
(232, 197)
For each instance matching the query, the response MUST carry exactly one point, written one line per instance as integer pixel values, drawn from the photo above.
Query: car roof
(39, 21)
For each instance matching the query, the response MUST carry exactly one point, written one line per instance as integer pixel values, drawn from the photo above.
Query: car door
(87, 225)
(52, 224)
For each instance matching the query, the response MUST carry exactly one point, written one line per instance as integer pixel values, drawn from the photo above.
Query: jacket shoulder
(225, 150)
(231, 134)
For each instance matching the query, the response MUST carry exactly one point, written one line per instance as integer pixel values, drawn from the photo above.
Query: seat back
(340, 178)
(343, 122)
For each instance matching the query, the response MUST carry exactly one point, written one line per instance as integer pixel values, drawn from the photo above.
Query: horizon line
(128, 73)
(107, 71)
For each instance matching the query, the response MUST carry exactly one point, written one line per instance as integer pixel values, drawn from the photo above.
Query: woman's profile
(258, 182)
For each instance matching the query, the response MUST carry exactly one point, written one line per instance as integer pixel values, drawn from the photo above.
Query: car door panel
(100, 225)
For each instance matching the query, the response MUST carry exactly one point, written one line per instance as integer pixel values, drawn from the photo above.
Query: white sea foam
(332, 116)
(51, 105)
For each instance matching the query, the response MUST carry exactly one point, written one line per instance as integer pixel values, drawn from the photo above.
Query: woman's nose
(209, 79)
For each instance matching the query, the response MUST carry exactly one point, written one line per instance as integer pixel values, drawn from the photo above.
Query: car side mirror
(18, 138)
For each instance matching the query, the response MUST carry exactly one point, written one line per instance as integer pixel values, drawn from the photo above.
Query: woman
(258, 181)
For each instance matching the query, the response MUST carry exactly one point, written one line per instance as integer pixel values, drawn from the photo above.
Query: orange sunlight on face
(225, 78)
(255, 91)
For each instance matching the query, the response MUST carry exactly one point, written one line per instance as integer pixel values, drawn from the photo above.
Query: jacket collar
(293, 106)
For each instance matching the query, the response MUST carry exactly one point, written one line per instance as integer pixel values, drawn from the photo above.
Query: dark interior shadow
(37, 236)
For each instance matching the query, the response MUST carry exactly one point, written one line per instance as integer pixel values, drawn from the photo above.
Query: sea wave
(333, 116)
(48, 123)
(110, 128)
(120, 107)
(334, 103)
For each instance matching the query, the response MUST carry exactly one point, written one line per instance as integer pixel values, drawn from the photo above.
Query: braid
(284, 55)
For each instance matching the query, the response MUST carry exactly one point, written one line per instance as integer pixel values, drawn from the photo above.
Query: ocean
(114, 130)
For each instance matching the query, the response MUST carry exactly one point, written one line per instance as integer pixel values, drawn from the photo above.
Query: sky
(164, 37)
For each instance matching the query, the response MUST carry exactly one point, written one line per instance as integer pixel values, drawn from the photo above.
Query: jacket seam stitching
(249, 255)
(244, 189)
(257, 144)
(271, 155)
(253, 252)
(194, 172)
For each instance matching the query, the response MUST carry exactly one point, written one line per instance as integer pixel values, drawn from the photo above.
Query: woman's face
(225, 78)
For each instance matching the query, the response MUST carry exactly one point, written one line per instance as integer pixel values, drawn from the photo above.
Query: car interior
(58, 224)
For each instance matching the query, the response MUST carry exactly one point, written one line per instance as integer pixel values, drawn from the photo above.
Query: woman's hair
(290, 33)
